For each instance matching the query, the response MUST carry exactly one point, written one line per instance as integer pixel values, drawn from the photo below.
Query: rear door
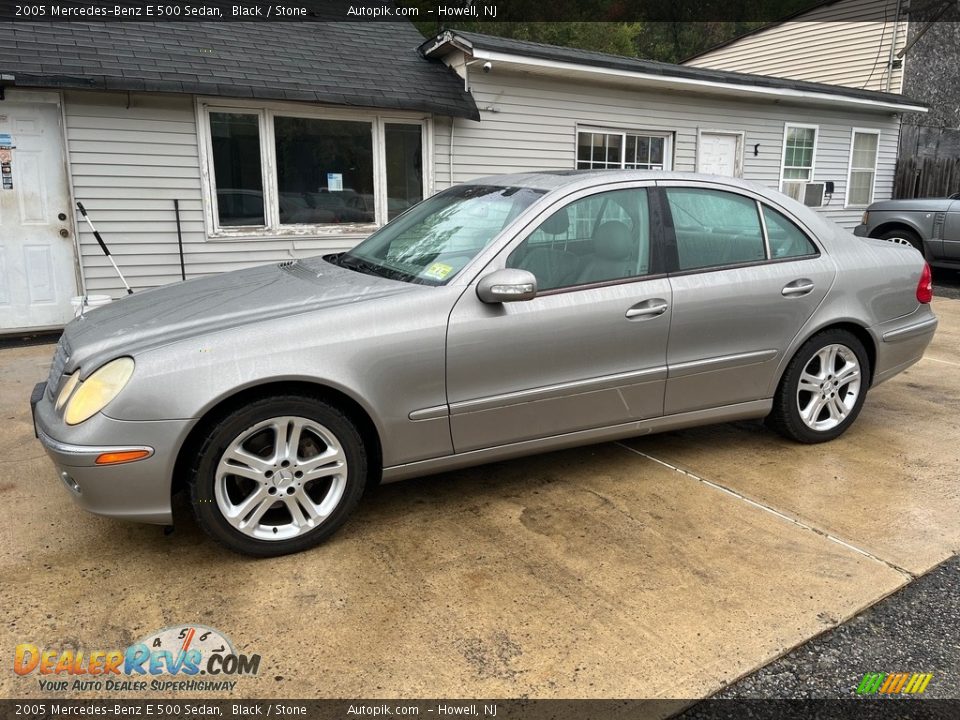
(745, 279)
(588, 351)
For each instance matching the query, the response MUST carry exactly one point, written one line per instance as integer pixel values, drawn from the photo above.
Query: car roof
(569, 179)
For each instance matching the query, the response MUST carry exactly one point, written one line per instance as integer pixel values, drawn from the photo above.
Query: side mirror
(507, 285)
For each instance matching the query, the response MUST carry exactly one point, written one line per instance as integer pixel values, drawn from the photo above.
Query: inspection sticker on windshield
(438, 271)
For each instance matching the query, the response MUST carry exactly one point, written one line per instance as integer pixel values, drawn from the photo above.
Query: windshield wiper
(352, 262)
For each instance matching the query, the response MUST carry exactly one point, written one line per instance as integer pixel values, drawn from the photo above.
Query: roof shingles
(355, 64)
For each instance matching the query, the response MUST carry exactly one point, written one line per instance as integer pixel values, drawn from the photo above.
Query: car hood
(163, 315)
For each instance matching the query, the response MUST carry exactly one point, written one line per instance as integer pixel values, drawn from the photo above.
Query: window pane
(796, 174)
(861, 187)
(324, 171)
(786, 239)
(864, 151)
(404, 153)
(235, 141)
(613, 150)
(715, 228)
(596, 239)
(584, 141)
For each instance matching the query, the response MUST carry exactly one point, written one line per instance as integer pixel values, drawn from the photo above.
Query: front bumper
(861, 231)
(137, 490)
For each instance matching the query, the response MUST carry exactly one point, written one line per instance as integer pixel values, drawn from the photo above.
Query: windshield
(434, 240)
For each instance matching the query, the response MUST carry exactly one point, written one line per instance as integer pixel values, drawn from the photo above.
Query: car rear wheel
(904, 235)
(278, 476)
(823, 389)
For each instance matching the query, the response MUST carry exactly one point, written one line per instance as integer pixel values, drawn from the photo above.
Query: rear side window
(786, 239)
(715, 228)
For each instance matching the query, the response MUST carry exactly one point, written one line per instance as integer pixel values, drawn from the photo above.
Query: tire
(829, 400)
(259, 493)
(904, 234)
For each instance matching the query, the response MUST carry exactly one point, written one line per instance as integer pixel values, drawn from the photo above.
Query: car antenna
(103, 246)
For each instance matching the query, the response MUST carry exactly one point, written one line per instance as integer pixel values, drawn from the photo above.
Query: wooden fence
(928, 163)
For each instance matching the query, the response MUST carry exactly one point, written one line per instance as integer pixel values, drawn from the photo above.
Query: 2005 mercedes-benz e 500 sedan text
(512, 315)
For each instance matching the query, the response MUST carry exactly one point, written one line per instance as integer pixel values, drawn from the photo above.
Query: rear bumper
(139, 490)
(902, 342)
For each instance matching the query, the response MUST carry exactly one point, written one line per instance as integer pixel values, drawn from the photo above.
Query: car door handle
(647, 309)
(797, 288)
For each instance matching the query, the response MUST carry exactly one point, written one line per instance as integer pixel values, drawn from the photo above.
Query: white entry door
(719, 154)
(37, 257)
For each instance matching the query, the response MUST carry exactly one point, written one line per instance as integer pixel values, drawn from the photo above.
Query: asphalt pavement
(946, 283)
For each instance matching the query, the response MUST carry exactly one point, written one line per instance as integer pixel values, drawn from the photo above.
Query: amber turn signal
(116, 458)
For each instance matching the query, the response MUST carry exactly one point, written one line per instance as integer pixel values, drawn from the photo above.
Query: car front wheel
(278, 475)
(823, 389)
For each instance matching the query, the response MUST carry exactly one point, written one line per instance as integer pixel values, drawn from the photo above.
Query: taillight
(925, 286)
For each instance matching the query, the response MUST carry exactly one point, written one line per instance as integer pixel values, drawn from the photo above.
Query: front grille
(60, 358)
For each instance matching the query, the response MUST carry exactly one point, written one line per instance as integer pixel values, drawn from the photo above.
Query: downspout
(453, 124)
(893, 45)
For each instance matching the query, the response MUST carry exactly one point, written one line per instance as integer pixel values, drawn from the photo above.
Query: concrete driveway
(665, 566)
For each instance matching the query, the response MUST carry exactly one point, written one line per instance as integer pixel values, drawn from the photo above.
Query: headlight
(94, 393)
(68, 387)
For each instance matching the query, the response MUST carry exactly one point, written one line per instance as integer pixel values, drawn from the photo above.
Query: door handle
(797, 288)
(647, 309)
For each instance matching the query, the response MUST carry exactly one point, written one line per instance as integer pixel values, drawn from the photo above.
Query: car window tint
(594, 239)
(715, 228)
(786, 239)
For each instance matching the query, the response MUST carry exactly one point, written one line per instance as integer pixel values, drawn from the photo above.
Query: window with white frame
(273, 171)
(799, 152)
(618, 149)
(864, 145)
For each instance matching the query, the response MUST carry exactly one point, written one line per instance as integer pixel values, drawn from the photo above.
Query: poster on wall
(6, 160)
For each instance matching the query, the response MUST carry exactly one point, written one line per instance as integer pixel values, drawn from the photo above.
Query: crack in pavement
(772, 510)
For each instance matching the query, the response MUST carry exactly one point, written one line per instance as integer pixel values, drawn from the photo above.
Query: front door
(37, 260)
(719, 154)
(589, 351)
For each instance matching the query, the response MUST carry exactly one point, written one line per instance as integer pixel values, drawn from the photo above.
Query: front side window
(715, 228)
(437, 238)
(616, 150)
(863, 167)
(324, 173)
(799, 147)
(600, 238)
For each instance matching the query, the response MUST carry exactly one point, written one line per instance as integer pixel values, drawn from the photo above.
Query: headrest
(557, 223)
(612, 241)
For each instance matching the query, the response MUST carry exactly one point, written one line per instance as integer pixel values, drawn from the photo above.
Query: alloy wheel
(829, 387)
(281, 478)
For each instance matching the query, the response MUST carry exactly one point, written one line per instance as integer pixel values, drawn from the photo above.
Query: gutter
(675, 82)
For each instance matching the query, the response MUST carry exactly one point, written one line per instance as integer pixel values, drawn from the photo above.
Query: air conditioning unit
(813, 194)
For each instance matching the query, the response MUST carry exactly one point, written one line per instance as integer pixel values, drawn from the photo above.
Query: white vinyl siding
(130, 157)
(845, 43)
(530, 123)
(864, 146)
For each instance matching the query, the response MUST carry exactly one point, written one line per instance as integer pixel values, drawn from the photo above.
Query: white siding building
(853, 43)
(248, 165)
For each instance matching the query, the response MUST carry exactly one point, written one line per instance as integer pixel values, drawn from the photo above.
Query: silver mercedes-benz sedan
(512, 315)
